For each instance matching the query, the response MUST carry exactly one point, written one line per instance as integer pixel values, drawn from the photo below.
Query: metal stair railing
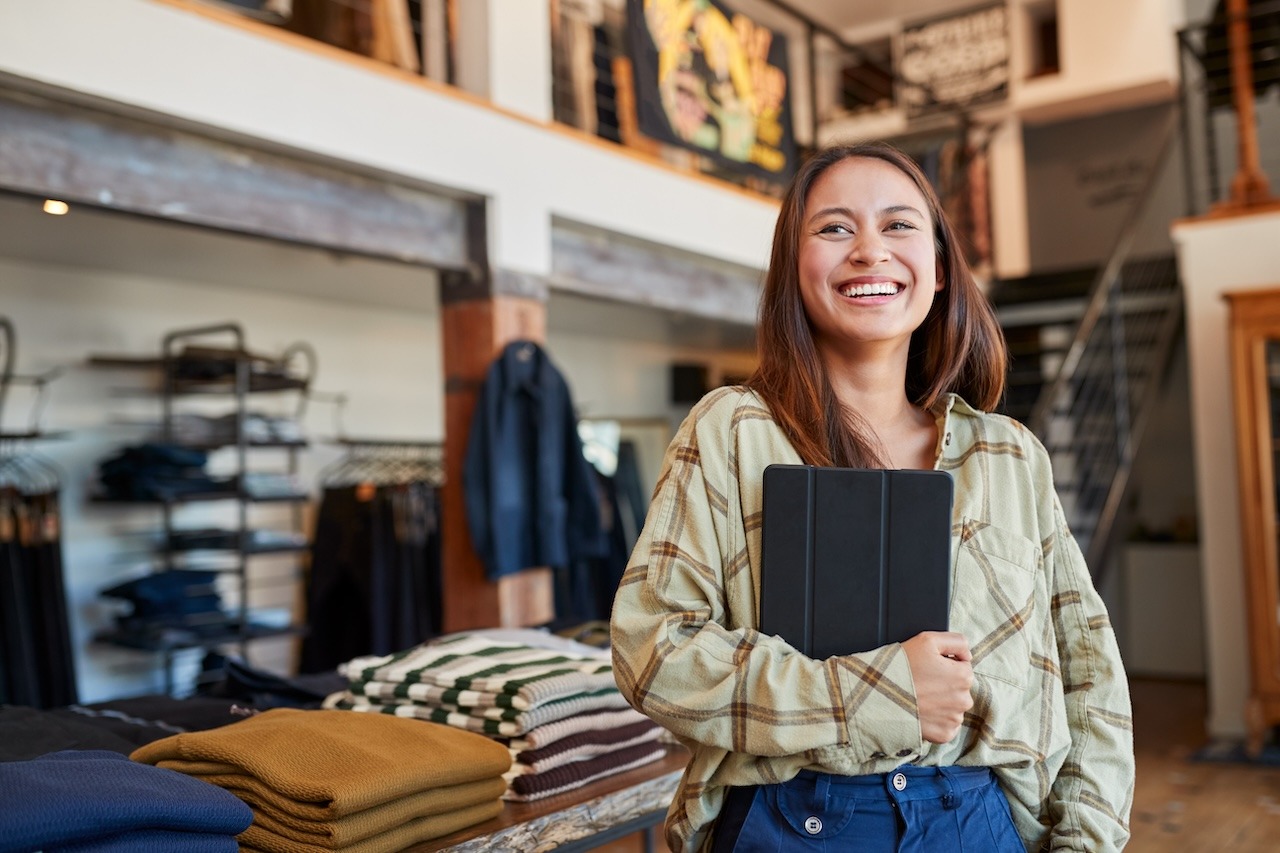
(1091, 415)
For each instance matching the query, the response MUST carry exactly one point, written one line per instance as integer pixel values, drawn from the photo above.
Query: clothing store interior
(341, 343)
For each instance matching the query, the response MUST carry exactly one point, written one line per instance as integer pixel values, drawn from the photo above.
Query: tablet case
(854, 558)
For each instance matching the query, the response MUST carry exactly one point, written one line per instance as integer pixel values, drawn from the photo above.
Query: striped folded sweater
(519, 723)
(472, 671)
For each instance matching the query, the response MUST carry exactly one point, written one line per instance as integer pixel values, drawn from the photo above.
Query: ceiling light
(55, 207)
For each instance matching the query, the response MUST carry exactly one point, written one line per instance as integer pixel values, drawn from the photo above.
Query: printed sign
(955, 61)
(714, 81)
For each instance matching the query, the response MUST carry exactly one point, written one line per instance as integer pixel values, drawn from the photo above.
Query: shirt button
(899, 781)
(948, 439)
(903, 753)
(812, 825)
(878, 754)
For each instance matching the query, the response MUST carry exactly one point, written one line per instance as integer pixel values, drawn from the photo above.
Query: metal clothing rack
(378, 461)
(233, 374)
(383, 462)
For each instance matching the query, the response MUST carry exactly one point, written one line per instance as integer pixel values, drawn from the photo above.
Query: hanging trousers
(910, 810)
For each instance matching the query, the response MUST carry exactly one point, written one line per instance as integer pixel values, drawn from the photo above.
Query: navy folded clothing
(169, 593)
(154, 841)
(72, 797)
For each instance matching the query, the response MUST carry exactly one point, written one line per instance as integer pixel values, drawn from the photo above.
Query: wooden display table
(577, 820)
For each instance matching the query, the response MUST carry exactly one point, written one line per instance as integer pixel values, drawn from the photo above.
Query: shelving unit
(191, 368)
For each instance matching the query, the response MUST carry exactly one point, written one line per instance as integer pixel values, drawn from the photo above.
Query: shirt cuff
(882, 719)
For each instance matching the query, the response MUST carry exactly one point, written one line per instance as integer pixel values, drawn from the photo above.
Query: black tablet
(854, 558)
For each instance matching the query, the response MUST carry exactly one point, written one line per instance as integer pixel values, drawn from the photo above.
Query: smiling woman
(1009, 732)
(868, 275)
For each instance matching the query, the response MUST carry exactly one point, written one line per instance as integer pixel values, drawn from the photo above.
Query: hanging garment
(374, 585)
(529, 492)
(17, 626)
(36, 658)
(43, 550)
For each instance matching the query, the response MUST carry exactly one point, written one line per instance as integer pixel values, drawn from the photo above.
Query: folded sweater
(304, 822)
(337, 762)
(151, 841)
(82, 796)
(529, 675)
(585, 745)
(519, 723)
(576, 774)
(549, 733)
(398, 838)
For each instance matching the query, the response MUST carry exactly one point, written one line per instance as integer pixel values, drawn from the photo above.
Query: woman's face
(867, 261)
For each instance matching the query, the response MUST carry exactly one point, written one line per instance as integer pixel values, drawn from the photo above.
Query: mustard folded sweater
(334, 763)
(299, 821)
(420, 829)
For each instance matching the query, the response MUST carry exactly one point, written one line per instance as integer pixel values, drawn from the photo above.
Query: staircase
(1089, 350)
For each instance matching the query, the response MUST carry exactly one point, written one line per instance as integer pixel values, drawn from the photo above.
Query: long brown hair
(958, 348)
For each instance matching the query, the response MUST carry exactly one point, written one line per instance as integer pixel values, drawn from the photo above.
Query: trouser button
(899, 781)
(812, 825)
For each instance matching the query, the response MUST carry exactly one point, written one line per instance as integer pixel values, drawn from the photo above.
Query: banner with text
(955, 62)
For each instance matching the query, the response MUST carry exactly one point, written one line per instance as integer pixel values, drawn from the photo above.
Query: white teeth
(885, 288)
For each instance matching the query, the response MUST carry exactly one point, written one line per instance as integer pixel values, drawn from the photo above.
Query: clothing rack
(385, 462)
(375, 580)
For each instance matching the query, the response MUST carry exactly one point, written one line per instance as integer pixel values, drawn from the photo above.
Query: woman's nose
(868, 248)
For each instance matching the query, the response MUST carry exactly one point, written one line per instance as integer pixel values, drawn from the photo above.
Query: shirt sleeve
(1093, 793)
(685, 649)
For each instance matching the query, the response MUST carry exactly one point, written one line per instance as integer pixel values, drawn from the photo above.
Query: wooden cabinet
(1255, 363)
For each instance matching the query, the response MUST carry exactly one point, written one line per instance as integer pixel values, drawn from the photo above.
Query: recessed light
(55, 207)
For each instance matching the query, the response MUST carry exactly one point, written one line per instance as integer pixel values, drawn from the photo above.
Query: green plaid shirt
(1051, 709)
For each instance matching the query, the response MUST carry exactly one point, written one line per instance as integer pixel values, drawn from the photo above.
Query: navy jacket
(529, 491)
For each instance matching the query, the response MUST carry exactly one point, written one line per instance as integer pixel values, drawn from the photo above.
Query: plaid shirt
(1051, 710)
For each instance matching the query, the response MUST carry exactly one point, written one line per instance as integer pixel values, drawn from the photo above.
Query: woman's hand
(942, 673)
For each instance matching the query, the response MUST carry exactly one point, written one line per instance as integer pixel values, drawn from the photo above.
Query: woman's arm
(687, 655)
(1092, 795)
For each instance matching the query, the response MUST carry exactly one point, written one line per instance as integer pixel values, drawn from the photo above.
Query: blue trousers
(910, 810)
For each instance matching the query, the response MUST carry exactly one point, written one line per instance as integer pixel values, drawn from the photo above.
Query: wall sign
(956, 61)
(714, 81)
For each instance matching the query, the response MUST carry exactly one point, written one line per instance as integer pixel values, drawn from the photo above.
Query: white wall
(297, 93)
(1112, 55)
(1216, 256)
(1084, 177)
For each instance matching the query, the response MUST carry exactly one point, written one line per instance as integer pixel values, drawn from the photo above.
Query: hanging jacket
(529, 493)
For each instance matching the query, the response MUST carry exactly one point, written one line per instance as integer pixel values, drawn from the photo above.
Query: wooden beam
(597, 263)
(482, 310)
(475, 331)
(143, 165)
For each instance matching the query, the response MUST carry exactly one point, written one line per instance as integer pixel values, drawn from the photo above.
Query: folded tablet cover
(853, 558)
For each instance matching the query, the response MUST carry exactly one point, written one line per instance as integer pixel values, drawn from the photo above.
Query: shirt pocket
(993, 600)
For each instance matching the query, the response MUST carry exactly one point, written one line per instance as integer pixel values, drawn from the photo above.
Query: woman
(1011, 731)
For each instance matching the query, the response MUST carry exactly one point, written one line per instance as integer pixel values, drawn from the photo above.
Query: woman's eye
(901, 225)
(835, 228)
